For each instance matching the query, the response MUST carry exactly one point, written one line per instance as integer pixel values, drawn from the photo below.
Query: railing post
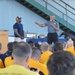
(63, 15)
(66, 14)
(46, 5)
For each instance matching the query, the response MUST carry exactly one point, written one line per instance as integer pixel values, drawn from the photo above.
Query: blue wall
(9, 9)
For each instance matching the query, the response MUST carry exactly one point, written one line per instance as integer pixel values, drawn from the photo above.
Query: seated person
(34, 61)
(59, 46)
(9, 58)
(10, 49)
(31, 43)
(10, 46)
(45, 52)
(61, 63)
(1, 64)
(8, 54)
(70, 47)
(64, 45)
(37, 45)
(21, 54)
(8, 61)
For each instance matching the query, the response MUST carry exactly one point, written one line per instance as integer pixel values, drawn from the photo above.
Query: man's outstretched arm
(41, 25)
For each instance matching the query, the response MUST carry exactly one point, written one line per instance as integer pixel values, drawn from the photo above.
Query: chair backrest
(1, 64)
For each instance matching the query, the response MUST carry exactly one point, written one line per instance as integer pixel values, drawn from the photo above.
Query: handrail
(59, 10)
(63, 7)
(68, 5)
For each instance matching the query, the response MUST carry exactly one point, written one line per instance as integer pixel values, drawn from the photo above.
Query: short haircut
(70, 43)
(10, 46)
(52, 15)
(36, 53)
(61, 63)
(64, 44)
(44, 46)
(0, 45)
(15, 42)
(22, 50)
(31, 43)
(37, 45)
(58, 46)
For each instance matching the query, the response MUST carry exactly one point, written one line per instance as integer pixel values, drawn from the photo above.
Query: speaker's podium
(3, 40)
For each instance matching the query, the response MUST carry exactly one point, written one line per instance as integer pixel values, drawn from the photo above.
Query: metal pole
(66, 14)
(46, 5)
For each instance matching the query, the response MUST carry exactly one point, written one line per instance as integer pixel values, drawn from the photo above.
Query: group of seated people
(24, 58)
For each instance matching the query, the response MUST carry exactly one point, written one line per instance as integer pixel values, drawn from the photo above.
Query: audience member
(69, 42)
(14, 43)
(61, 63)
(34, 61)
(10, 49)
(45, 52)
(21, 54)
(70, 47)
(59, 46)
(31, 43)
(37, 45)
(64, 45)
(9, 59)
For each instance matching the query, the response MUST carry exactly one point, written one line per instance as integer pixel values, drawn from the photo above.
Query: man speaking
(53, 27)
(18, 30)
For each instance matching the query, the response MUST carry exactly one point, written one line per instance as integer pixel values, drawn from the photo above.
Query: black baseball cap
(18, 17)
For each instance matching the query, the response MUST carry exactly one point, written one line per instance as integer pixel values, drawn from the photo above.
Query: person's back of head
(37, 45)
(14, 43)
(36, 53)
(61, 63)
(44, 46)
(58, 46)
(10, 46)
(21, 55)
(35, 64)
(0, 46)
(64, 45)
(22, 51)
(70, 43)
(31, 43)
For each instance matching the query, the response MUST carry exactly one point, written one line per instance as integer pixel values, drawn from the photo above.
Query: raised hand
(21, 37)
